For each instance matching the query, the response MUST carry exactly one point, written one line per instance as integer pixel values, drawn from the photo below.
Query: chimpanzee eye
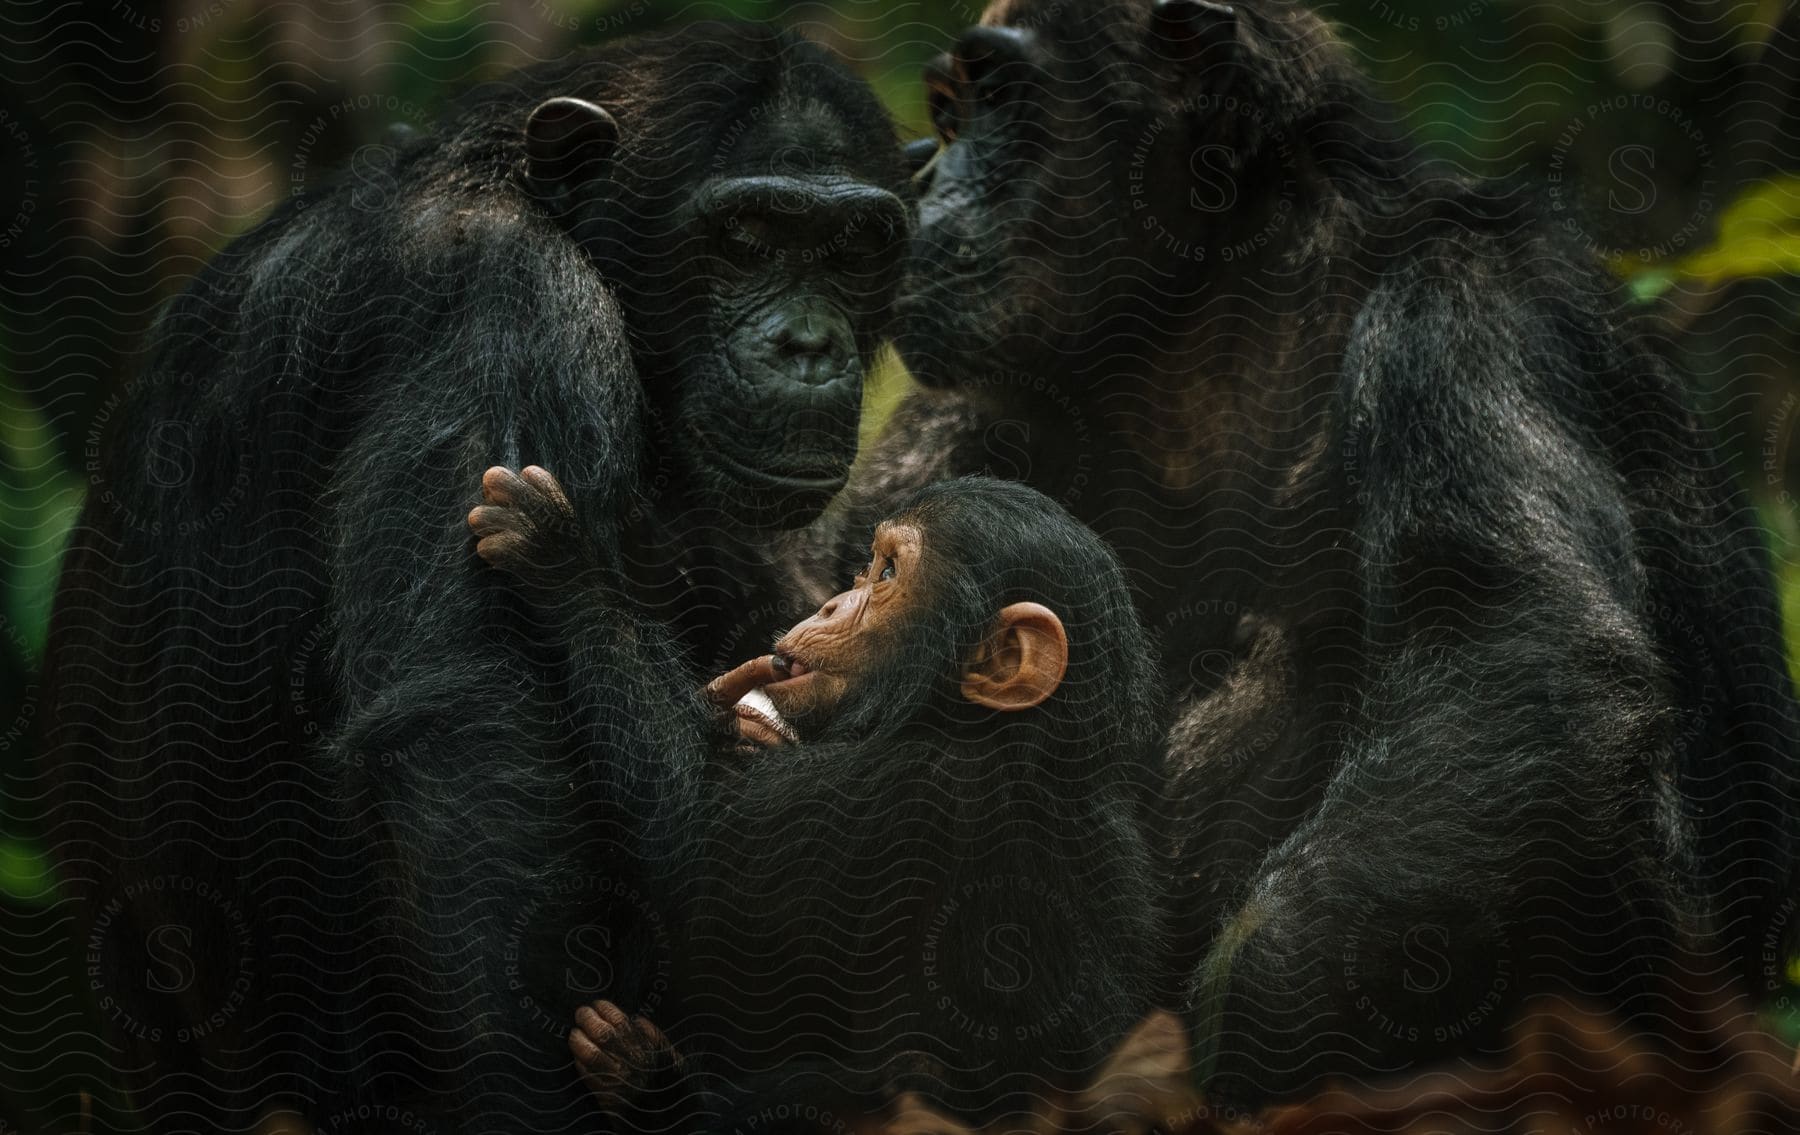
(887, 570)
(866, 244)
(748, 237)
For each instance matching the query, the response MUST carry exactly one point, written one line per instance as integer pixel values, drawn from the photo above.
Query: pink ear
(1021, 662)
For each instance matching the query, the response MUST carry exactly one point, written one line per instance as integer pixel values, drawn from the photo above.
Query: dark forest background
(137, 137)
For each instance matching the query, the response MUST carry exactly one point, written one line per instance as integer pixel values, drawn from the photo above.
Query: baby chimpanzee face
(891, 641)
(835, 650)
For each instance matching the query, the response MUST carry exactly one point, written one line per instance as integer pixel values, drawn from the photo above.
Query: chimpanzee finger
(502, 486)
(613, 1016)
(601, 1038)
(590, 1057)
(540, 479)
(493, 519)
(728, 687)
(589, 1021)
(752, 729)
(501, 548)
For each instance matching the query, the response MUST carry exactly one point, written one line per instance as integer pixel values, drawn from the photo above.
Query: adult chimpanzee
(300, 742)
(943, 882)
(1487, 695)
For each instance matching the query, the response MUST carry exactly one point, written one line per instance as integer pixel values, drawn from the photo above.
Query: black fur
(285, 683)
(1485, 687)
(932, 896)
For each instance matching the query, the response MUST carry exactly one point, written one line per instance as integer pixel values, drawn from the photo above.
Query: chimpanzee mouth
(788, 665)
(822, 478)
(793, 670)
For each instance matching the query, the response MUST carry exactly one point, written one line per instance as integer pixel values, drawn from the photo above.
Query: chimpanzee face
(880, 617)
(794, 268)
(1018, 207)
(1059, 196)
(754, 245)
(899, 637)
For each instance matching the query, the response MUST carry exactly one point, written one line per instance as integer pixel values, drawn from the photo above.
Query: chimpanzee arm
(1503, 796)
(499, 795)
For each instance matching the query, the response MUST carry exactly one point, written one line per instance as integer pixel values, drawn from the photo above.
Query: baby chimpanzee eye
(887, 570)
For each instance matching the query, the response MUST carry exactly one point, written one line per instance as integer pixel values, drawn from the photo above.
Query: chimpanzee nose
(811, 346)
(844, 607)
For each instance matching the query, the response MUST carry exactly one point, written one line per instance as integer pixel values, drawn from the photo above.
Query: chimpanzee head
(985, 610)
(746, 197)
(1095, 164)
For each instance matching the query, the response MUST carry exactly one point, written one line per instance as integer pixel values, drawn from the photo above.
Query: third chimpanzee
(935, 877)
(1509, 712)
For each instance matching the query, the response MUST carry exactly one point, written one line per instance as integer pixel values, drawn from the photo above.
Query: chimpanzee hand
(621, 1058)
(526, 526)
(749, 728)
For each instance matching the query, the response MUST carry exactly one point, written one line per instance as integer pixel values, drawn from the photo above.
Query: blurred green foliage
(39, 499)
(1759, 235)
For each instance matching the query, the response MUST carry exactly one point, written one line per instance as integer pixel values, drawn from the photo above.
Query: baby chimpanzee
(936, 878)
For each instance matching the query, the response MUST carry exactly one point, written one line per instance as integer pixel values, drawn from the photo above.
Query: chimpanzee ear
(568, 141)
(1022, 660)
(1194, 31)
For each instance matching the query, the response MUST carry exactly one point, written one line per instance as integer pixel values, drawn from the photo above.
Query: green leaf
(1784, 556)
(1759, 235)
(887, 383)
(39, 500)
(1646, 286)
(25, 874)
(1785, 1025)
